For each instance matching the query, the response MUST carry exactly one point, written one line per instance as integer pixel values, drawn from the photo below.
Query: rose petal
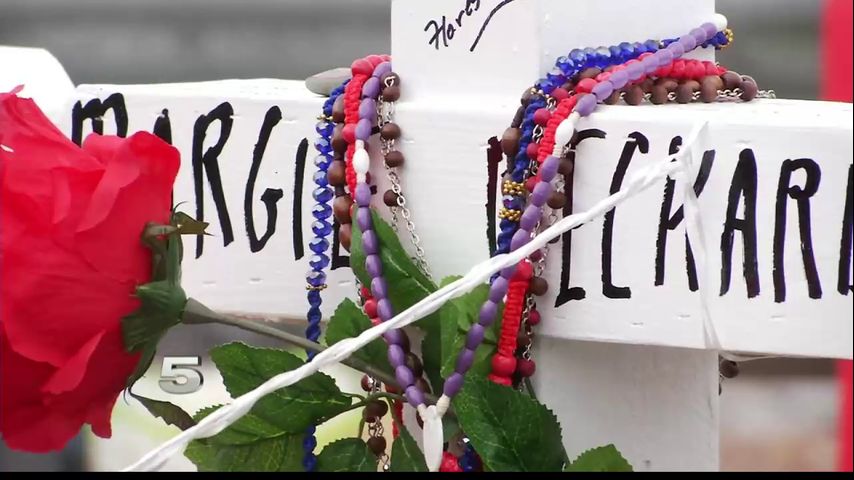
(71, 374)
(27, 423)
(71, 221)
(136, 189)
(39, 422)
(54, 302)
(21, 116)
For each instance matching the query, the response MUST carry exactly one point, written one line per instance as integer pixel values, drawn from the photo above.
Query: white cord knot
(443, 404)
(433, 437)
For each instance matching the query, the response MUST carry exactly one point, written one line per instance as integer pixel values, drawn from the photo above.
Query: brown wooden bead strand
(339, 145)
(390, 131)
(732, 80)
(394, 159)
(557, 201)
(634, 95)
(345, 236)
(336, 175)
(749, 89)
(341, 208)
(510, 141)
(338, 110)
(539, 286)
(390, 198)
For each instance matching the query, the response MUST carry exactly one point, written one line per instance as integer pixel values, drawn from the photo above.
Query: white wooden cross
(624, 355)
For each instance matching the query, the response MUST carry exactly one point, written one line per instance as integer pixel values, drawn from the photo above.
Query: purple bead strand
(587, 103)
(371, 245)
(498, 289)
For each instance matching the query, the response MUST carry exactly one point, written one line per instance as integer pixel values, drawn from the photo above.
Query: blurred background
(778, 415)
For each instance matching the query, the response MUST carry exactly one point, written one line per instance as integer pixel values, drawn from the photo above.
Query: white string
(694, 226)
(697, 238)
(479, 274)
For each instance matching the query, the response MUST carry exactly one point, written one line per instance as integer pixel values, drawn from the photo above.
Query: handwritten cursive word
(495, 10)
(444, 32)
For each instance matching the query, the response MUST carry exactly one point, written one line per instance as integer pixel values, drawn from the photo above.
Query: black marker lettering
(443, 32)
(471, 7)
(668, 223)
(270, 196)
(845, 247)
(163, 127)
(208, 161)
(338, 260)
(802, 196)
(439, 37)
(493, 160)
(299, 174)
(95, 110)
(565, 293)
(636, 142)
(483, 27)
(744, 183)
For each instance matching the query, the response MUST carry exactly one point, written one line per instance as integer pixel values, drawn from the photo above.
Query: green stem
(390, 396)
(530, 387)
(195, 313)
(361, 428)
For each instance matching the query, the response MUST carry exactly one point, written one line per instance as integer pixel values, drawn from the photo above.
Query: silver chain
(385, 113)
(376, 428)
(723, 96)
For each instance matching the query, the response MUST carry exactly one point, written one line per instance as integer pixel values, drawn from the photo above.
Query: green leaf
(602, 459)
(145, 359)
(347, 455)
(174, 256)
(162, 303)
(450, 427)
(248, 445)
(405, 454)
(349, 321)
(163, 298)
(431, 356)
(168, 412)
(508, 429)
(291, 409)
(188, 225)
(407, 285)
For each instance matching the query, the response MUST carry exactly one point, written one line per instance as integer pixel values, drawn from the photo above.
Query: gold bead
(730, 36)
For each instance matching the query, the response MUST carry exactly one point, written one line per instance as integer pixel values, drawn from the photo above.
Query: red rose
(70, 259)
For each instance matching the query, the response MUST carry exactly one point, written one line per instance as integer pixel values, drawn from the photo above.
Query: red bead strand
(352, 100)
(504, 360)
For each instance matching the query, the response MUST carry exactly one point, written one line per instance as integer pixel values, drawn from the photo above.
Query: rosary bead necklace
(536, 148)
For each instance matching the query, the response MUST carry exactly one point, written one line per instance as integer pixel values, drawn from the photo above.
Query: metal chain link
(385, 113)
(376, 428)
(723, 96)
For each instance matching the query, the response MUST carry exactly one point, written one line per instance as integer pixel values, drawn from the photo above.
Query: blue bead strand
(580, 59)
(567, 67)
(319, 245)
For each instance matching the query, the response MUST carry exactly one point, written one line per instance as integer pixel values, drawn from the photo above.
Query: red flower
(70, 259)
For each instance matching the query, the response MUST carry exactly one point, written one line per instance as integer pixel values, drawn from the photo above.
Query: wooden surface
(447, 145)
